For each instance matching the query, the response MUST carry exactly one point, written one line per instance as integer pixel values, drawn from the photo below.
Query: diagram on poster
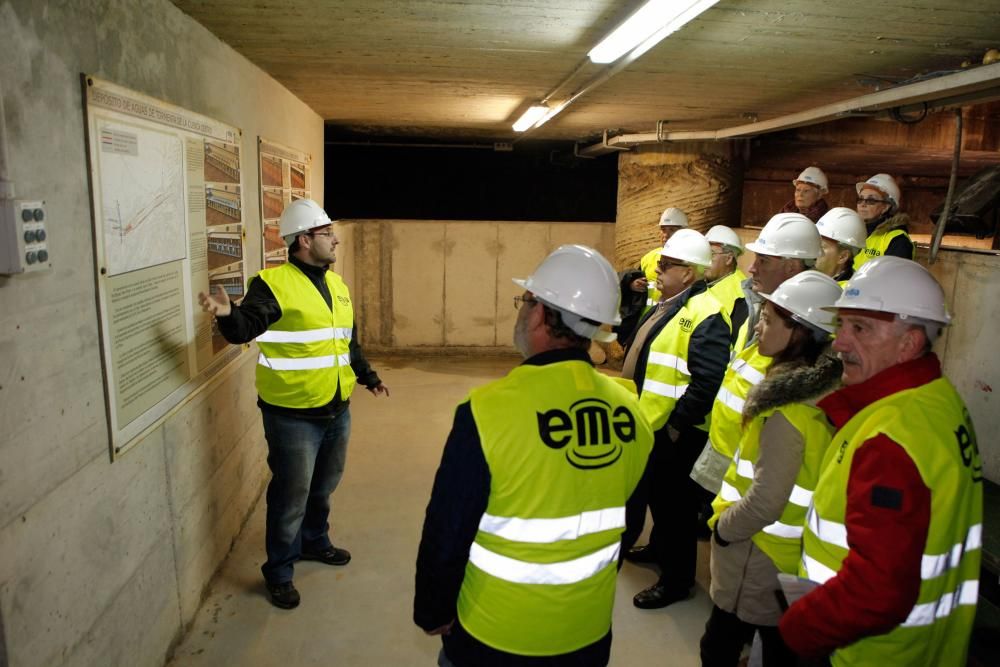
(168, 223)
(142, 197)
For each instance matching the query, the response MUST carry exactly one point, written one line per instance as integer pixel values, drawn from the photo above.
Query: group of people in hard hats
(841, 466)
(804, 401)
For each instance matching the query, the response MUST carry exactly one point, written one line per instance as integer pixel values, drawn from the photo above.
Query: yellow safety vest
(565, 446)
(729, 290)
(667, 377)
(876, 245)
(306, 353)
(745, 371)
(781, 540)
(932, 424)
(648, 265)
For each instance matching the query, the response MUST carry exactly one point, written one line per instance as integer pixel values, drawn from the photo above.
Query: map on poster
(142, 188)
(168, 224)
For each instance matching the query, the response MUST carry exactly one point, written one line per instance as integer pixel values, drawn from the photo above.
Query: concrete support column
(703, 179)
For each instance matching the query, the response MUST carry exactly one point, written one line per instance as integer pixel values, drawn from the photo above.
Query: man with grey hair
(893, 535)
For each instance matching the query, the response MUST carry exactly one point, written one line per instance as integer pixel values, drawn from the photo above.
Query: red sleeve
(888, 515)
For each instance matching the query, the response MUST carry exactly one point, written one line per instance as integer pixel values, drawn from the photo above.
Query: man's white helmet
(813, 176)
(804, 295)
(688, 246)
(299, 217)
(885, 184)
(895, 285)
(724, 235)
(789, 235)
(843, 225)
(673, 217)
(579, 283)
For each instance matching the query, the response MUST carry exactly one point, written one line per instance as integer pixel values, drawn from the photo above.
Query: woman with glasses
(878, 206)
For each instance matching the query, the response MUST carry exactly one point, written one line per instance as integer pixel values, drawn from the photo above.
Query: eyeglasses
(664, 265)
(518, 300)
(870, 201)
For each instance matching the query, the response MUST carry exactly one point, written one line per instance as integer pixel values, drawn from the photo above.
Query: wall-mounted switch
(24, 236)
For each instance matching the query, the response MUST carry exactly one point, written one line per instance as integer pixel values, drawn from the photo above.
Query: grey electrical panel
(24, 231)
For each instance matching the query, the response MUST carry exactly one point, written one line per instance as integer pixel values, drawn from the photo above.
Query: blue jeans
(306, 458)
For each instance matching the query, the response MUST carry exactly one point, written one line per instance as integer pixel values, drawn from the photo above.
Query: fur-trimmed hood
(794, 382)
(898, 221)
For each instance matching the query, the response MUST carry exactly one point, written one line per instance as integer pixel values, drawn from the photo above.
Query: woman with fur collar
(761, 508)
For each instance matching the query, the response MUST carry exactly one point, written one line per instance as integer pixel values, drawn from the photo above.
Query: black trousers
(674, 500)
(725, 635)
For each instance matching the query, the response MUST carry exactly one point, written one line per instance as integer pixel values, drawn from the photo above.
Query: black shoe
(330, 556)
(643, 554)
(658, 596)
(283, 595)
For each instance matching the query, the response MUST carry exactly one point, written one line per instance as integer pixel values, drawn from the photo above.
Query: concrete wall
(100, 563)
(432, 285)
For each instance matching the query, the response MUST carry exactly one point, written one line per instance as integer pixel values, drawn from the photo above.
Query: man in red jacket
(894, 528)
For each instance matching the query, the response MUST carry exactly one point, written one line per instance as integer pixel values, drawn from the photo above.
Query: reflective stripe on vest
(565, 446)
(931, 424)
(553, 530)
(310, 336)
(522, 572)
(305, 356)
(309, 363)
(666, 375)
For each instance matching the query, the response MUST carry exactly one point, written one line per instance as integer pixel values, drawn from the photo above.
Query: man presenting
(894, 532)
(300, 313)
(519, 553)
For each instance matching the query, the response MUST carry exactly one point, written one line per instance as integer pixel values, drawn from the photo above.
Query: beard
(521, 336)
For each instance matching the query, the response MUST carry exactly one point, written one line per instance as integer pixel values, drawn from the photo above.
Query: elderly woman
(761, 508)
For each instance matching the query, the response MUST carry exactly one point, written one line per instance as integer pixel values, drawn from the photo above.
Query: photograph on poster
(222, 162)
(223, 204)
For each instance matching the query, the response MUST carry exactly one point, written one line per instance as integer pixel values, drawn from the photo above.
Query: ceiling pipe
(974, 85)
(942, 221)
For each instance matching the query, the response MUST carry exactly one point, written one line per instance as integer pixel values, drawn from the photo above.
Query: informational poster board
(168, 223)
(285, 175)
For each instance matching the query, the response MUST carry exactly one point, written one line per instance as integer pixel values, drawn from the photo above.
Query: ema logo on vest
(592, 421)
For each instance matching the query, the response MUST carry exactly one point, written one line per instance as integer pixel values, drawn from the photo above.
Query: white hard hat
(813, 176)
(673, 217)
(789, 235)
(889, 284)
(885, 184)
(843, 225)
(804, 295)
(688, 246)
(724, 235)
(300, 216)
(579, 283)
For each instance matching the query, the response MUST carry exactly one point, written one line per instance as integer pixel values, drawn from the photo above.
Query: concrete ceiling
(466, 69)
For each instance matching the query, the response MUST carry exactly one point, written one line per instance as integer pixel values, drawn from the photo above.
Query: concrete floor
(360, 615)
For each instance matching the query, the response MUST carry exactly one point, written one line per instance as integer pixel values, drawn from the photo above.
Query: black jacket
(259, 309)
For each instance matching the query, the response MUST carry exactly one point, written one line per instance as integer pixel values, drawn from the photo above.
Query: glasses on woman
(870, 201)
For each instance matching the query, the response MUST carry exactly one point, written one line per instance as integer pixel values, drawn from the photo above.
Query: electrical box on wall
(25, 237)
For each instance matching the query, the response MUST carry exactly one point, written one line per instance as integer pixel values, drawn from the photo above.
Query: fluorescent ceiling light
(646, 27)
(531, 117)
